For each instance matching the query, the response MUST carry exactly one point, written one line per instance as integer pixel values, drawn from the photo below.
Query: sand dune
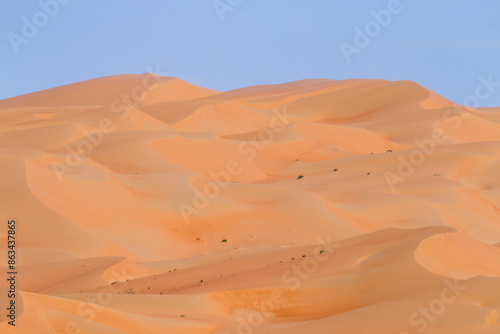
(145, 204)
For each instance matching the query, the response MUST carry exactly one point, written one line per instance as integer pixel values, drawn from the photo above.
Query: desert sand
(144, 204)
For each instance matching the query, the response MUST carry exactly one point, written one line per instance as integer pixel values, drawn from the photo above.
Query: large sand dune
(144, 204)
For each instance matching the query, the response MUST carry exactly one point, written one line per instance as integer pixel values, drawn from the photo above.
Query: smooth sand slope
(147, 205)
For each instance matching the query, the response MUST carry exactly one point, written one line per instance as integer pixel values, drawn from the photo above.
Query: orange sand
(144, 204)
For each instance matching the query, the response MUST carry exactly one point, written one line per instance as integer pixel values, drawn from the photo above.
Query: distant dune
(144, 204)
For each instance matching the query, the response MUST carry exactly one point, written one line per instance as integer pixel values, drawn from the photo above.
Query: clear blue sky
(445, 45)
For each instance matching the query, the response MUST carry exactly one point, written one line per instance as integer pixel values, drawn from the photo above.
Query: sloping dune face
(144, 204)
